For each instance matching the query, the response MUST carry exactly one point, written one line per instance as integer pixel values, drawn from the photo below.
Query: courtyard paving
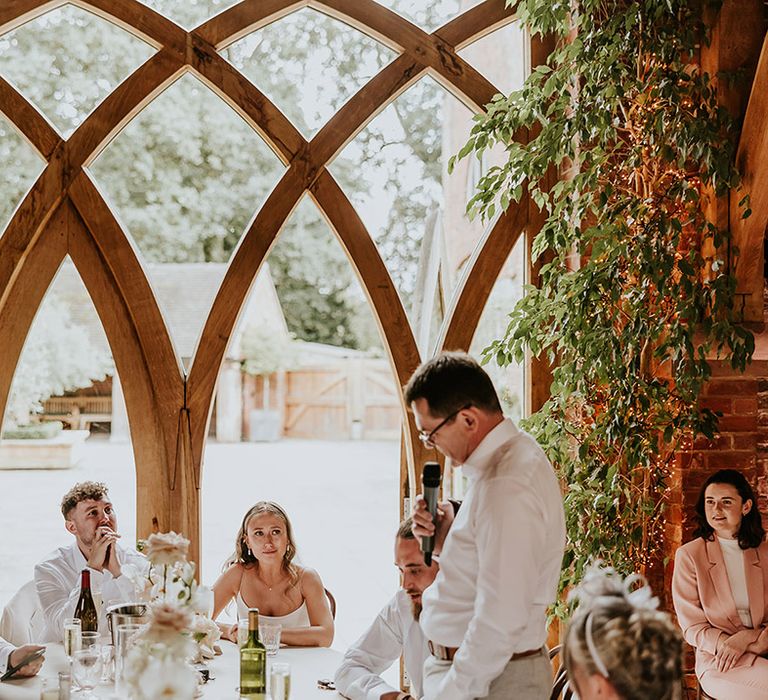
(341, 497)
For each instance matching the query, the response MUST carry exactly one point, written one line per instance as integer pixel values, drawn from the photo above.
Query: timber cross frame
(64, 214)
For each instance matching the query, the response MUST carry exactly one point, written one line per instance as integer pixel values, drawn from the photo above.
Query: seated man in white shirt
(393, 633)
(91, 519)
(11, 655)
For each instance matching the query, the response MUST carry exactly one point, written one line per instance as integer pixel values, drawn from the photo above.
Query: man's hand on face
(22, 652)
(423, 525)
(103, 554)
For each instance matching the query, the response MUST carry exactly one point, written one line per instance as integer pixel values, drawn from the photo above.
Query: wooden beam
(14, 13)
(246, 17)
(29, 220)
(737, 32)
(31, 124)
(387, 307)
(225, 310)
(121, 258)
(429, 49)
(249, 102)
(24, 294)
(120, 107)
(149, 433)
(752, 163)
(480, 275)
(141, 20)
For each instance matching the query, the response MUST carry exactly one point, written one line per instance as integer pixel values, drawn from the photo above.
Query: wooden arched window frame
(64, 214)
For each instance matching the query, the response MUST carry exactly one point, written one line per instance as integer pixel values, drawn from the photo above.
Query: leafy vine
(635, 289)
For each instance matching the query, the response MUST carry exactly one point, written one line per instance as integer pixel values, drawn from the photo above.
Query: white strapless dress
(297, 618)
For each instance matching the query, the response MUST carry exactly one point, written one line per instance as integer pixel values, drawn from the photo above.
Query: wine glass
(86, 670)
(242, 631)
(72, 632)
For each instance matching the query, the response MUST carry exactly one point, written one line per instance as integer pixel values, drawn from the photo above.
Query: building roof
(185, 292)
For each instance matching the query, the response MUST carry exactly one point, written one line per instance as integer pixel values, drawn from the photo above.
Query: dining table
(308, 666)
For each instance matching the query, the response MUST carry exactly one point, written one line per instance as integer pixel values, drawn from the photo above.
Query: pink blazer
(703, 600)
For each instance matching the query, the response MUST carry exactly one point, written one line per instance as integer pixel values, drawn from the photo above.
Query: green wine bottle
(253, 662)
(85, 610)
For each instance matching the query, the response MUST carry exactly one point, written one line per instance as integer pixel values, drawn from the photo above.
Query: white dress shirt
(500, 563)
(6, 649)
(393, 632)
(733, 556)
(57, 580)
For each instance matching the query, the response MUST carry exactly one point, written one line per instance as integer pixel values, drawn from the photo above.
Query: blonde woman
(618, 646)
(262, 574)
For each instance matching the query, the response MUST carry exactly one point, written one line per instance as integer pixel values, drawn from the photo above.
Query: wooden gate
(353, 400)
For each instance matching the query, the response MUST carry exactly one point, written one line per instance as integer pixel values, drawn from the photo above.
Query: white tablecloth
(307, 666)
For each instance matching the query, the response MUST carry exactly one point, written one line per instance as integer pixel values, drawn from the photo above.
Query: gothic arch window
(76, 206)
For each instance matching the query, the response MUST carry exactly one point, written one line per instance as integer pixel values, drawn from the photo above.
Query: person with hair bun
(720, 590)
(261, 573)
(618, 646)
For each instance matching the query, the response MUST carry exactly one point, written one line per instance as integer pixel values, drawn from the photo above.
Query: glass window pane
(429, 15)
(395, 172)
(189, 13)
(185, 178)
(67, 61)
(308, 64)
(20, 164)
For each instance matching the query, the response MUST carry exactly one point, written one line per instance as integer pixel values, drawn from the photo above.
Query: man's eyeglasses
(427, 437)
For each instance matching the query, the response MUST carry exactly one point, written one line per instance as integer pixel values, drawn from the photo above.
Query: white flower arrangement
(179, 632)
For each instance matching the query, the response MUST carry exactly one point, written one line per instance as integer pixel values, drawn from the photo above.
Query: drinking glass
(242, 631)
(65, 685)
(280, 680)
(72, 631)
(107, 663)
(97, 603)
(125, 635)
(49, 690)
(89, 640)
(86, 670)
(204, 601)
(269, 632)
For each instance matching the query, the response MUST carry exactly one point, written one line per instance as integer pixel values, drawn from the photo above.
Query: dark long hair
(751, 532)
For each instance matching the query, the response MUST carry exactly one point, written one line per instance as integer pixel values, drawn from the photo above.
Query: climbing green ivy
(635, 290)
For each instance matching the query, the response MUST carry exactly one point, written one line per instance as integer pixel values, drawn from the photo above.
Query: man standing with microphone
(500, 558)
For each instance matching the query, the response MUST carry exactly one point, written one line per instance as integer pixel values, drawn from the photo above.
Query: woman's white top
(734, 565)
(297, 618)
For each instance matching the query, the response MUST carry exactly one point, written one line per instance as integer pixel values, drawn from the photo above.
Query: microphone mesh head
(431, 475)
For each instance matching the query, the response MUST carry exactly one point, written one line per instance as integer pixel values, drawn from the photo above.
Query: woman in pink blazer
(720, 590)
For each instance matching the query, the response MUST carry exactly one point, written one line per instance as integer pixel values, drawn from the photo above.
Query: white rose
(166, 548)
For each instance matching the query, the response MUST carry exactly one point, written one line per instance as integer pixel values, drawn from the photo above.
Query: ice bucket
(125, 613)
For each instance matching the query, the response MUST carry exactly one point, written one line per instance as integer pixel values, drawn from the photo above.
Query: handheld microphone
(430, 481)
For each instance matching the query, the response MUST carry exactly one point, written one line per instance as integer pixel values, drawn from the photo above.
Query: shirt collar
(80, 561)
(480, 458)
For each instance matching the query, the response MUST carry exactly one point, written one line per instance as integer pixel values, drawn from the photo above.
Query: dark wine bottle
(253, 662)
(85, 610)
